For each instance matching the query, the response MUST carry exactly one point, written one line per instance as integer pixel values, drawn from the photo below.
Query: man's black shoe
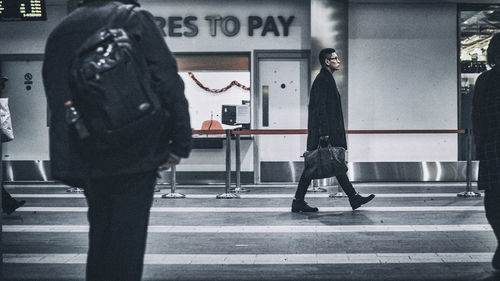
(496, 260)
(301, 206)
(11, 207)
(358, 200)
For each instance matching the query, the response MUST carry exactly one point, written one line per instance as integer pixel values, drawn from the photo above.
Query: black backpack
(112, 92)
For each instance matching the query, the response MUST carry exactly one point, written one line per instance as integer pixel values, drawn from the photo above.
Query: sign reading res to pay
(230, 26)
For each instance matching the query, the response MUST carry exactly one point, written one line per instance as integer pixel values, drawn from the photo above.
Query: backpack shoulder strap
(119, 15)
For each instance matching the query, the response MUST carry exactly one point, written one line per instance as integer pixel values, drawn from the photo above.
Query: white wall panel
(28, 109)
(402, 75)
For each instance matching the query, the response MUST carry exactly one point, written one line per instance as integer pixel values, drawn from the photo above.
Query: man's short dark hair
(493, 49)
(324, 54)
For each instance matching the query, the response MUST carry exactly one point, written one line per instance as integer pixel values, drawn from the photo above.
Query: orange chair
(212, 125)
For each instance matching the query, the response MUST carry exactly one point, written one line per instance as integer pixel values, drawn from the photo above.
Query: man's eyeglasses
(335, 58)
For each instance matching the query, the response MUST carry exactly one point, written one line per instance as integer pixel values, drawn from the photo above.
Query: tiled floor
(409, 232)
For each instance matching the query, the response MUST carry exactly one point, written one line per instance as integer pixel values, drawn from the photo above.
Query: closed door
(283, 97)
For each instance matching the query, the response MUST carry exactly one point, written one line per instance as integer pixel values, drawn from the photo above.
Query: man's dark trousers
(492, 208)
(304, 183)
(118, 216)
(6, 198)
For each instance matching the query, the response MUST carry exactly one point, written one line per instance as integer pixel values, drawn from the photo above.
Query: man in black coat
(118, 186)
(486, 128)
(326, 125)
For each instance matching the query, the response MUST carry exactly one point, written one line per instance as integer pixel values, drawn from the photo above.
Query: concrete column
(329, 30)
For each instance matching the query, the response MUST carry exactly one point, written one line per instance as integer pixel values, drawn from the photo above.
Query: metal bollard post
(468, 190)
(75, 189)
(315, 187)
(238, 187)
(227, 194)
(173, 185)
(340, 192)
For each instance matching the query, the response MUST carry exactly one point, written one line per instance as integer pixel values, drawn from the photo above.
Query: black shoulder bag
(324, 162)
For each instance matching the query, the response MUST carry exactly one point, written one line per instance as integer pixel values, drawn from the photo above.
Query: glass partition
(477, 24)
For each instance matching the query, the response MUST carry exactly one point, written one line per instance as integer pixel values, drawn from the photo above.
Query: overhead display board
(22, 10)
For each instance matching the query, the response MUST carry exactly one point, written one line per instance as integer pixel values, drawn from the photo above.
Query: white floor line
(252, 196)
(267, 209)
(262, 229)
(260, 259)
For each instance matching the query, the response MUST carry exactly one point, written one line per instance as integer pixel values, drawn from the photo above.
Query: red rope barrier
(209, 132)
(271, 132)
(304, 131)
(352, 132)
(405, 131)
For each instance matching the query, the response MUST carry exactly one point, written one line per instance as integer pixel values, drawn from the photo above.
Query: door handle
(265, 106)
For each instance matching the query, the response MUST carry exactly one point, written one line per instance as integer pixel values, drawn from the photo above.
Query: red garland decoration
(234, 83)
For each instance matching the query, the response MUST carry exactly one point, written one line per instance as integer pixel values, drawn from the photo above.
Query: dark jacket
(67, 163)
(486, 127)
(325, 112)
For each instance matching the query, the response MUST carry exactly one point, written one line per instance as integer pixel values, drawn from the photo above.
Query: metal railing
(238, 132)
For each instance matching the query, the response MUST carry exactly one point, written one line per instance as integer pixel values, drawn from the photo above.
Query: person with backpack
(118, 114)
